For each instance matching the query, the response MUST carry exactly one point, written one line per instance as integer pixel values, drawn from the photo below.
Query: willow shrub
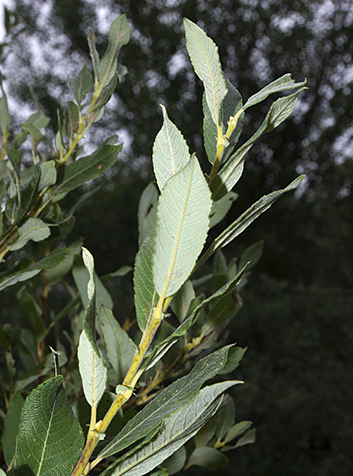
(114, 403)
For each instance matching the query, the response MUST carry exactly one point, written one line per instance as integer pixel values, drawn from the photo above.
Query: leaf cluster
(131, 397)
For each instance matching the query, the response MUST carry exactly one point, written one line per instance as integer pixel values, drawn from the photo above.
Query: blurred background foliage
(297, 314)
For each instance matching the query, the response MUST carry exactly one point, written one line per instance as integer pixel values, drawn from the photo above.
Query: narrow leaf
(183, 222)
(119, 35)
(86, 168)
(91, 39)
(280, 84)
(177, 430)
(178, 394)
(50, 439)
(147, 211)
(33, 229)
(221, 207)
(239, 225)
(170, 151)
(120, 348)
(204, 57)
(11, 423)
(146, 296)
(50, 261)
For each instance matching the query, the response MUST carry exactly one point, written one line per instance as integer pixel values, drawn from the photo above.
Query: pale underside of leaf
(182, 228)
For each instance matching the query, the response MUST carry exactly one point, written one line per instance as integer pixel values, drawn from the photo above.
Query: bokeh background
(297, 315)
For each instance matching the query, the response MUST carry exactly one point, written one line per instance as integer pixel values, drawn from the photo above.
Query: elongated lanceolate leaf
(12, 420)
(146, 296)
(204, 57)
(280, 84)
(50, 261)
(170, 151)
(50, 439)
(119, 35)
(120, 348)
(239, 225)
(147, 211)
(176, 431)
(33, 229)
(92, 370)
(47, 174)
(233, 168)
(178, 394)
(91, 39)
(87, 168)
(182, 227)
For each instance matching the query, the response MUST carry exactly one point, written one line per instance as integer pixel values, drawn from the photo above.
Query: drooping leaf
(176, 431)
(50, 261)
(170, 151)
(92, 370)
(208, 458)
(90, 363)
(5, 118)
(87, 168)
(119, 35)
(33, 229)
(178, 394)
(50, 439)
(204, 57)
(81, 278)
(233, 168)
(182, 227)
(72, 118)
(11, 423)
(120, 348)
(47, 174)
(239, 225)
(81, 84)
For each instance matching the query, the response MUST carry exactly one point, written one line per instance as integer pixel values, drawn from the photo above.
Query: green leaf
(47, 174)
(147, 211)
(120, 348)
(176, 461)
(36, 136)
(239, 225)
(236, 430)
(72, 119)
(11, 423)
(235, 355)
(81, 84)
(170, 151)
(33, 311)
(33, 229)
(182, 300)
(221, 207)
(50, 261)
(208, 458)
(182, 227)
(91, 39)
(223, 309)
(252, 253)
(233, 168)
(178, 394)
(119, 35)
(224, 417)
(90, 363)
(280, 84)
(87, 168)
(177, 430)
(204, 57)
(92, 370)
(5, 118)
(81, 278)
(50, 439)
